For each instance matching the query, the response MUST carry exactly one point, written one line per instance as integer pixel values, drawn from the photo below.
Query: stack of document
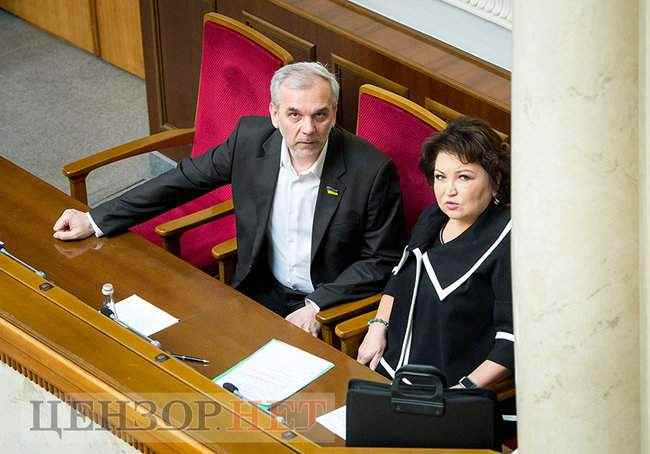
(274, 372)
(334, 421)
(142, 316)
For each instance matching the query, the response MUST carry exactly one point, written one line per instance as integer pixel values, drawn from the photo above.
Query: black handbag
(423, 413)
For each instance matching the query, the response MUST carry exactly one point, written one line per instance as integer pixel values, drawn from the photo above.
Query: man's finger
(66, 235)
(61, 222)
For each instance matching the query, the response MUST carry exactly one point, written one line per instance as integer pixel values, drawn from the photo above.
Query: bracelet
(378, 320)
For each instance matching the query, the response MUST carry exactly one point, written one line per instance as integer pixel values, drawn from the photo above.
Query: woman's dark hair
(471, 140)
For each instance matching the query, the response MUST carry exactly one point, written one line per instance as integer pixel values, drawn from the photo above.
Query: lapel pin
(332, 191)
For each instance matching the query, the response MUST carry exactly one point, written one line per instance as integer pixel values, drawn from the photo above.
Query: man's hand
(72, 225)
(372, 348)
(305, 318)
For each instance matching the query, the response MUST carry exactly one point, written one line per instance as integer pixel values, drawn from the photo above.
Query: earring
(495, 200)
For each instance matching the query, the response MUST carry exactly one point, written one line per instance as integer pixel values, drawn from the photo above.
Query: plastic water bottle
(108, 303)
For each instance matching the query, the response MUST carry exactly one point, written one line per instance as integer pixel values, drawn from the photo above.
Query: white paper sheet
(334, 421)
(143, 316)
(274, 372)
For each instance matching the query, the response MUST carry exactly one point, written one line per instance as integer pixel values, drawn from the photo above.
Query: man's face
(304, 117)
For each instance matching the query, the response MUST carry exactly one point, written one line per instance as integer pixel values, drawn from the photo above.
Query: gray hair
(301, 75)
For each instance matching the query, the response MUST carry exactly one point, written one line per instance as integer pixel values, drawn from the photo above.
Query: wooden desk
(57, 338)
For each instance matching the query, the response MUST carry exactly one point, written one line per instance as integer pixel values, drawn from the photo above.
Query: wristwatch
(467, 383)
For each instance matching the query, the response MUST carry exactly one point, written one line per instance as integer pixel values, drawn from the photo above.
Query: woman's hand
(372, 348)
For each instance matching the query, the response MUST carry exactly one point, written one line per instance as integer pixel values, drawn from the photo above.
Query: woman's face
(463, 191)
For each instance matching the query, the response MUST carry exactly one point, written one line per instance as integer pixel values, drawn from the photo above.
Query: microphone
(4, 251)
(233, 389)
(105, 310)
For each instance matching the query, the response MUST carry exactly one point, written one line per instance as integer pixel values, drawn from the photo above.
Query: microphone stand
(4, 251)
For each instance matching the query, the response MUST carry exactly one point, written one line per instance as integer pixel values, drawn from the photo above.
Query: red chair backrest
(234, 80)
(237, 65)
(398, 127)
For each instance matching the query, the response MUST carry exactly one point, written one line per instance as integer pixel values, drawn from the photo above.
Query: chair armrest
(350, 333)
(354, 326)
(225, 250)
(328, 318)
(78, 170)
(345, 311)
(184, 223)
(171, 231)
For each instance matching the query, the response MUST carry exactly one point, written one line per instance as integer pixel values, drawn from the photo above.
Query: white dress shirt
(96, 229)
(291, 220)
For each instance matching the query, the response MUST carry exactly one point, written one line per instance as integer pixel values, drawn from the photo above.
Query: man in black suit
(318, 210)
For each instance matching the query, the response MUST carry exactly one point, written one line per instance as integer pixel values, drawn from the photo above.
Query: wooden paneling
(120, 38)
(441, 110)
(171, 37)
(152, 63)
(360, 46)
(428, 67)
(110, 29)
(301, 49)
(351, 76)
(407, 47)
(448, 114)
(72, 20)
(181, 24)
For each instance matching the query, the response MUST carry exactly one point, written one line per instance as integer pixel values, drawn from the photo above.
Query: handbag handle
(424, 397)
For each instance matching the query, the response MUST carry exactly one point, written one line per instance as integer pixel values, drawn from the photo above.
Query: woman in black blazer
(449, 302)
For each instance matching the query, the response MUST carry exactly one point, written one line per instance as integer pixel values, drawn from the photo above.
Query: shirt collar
(316, 168)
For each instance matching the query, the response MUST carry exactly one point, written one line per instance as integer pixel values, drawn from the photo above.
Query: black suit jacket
(358, 224)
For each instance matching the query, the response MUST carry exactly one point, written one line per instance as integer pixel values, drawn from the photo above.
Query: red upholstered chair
(397, 126)
(237, 64)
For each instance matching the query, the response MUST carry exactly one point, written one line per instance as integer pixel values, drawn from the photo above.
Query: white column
(644, 211)
(576, 225)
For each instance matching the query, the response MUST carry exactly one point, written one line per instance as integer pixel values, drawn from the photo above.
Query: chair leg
(78, 189)
(328, 336)
(350, 346)
(226, 270)
(173, 244)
